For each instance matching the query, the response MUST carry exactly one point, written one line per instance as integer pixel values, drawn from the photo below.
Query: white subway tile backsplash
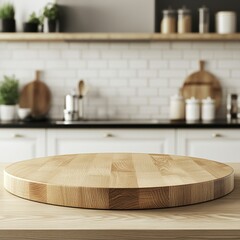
(172, 54)
(138, 101)
(121, 82)
(158, 82)
(160, 45)
(97, 64)
(138, 64)
(108, 73)
(126, 80)
(151, 54)
(149, 109)
(76, 64)
(127, 73)
(147, 73)
(24, 54)
(229, 64)
(131, 54)
(118, 64)
(158, 64)
(179, 64)
(111, 54)
(87, 73)
(90, 54)
(55, 64)
(147, 92)
(138, 82)
(181, 45)
(70, 54)
(49, 54)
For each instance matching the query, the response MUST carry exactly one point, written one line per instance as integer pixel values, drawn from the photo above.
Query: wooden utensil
(119, 181)
(201, 85)
(81, 87)
(37, 96)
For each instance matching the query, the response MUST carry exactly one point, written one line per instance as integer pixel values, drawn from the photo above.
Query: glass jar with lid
(184, 20)
(168, 24)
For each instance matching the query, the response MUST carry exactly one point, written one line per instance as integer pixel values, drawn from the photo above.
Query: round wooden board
(119, 181)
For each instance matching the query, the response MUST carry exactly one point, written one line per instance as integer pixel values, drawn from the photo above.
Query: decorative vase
(52, 25)
(8, 113)
(30, 27)
(8, 25)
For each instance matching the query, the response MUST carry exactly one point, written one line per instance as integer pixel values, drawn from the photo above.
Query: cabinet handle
(17, 136)
(108, 135)
(217, 135)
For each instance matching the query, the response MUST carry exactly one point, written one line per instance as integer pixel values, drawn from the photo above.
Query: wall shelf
(117, 37)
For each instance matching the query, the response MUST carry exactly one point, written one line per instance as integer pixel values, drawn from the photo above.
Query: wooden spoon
(82, 88)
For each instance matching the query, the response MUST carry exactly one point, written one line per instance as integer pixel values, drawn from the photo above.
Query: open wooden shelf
(135, 37)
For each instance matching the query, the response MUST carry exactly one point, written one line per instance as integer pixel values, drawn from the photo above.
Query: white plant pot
(7, 113)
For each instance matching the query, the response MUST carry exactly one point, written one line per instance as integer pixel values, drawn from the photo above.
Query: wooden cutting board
(119, 181)
(37, 96)
(202, 84)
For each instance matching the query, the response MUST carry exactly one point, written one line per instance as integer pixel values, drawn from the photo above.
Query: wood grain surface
(202, 84)
(119, 181)
(71, 37)
(36, 96)
(22, 219)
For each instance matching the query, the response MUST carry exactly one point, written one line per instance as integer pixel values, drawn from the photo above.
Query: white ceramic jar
(208, 109)
(226, 22)
(177, 108)
(192, 110)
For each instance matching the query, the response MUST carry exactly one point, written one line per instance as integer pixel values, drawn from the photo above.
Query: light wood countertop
(23, 219)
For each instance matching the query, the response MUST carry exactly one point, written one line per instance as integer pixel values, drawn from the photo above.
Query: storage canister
(203, 20)
(192, 109)
(184, 20)
(168, 24)
(208, 109)
(177, 108)
(226, 22)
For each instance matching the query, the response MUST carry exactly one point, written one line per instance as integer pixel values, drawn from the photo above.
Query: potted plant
(7, 14)
(51, 14)
(32, 24)
(8, 98)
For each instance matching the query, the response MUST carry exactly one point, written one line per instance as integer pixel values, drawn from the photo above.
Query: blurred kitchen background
(126, 80)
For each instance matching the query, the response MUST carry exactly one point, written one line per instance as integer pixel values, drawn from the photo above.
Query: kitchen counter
(22, 219)
(152, 124)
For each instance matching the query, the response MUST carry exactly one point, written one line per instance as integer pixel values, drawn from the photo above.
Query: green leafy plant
(51, 11)
(7, 11)
(9, 91)
(34, 19)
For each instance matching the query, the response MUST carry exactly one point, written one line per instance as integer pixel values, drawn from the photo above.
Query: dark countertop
(131, 124)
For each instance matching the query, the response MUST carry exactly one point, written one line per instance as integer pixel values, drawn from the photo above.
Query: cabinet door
(21, 144)
(105, 140)
(213, 144)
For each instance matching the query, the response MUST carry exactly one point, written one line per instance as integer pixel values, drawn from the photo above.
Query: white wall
(94, 15)
(108, 15)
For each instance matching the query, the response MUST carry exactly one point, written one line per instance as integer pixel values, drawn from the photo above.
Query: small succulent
(9, 93)
(51, 11)
(34, 19)
(7, 11)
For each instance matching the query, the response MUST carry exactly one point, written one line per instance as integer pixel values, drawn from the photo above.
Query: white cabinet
(106, 140)
(21, 144)
(215, 144)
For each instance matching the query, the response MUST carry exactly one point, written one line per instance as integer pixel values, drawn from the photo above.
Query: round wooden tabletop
(119, 180)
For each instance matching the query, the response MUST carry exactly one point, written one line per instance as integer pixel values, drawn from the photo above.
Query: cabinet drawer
(21, 144)
(110, 140)
(216, 144)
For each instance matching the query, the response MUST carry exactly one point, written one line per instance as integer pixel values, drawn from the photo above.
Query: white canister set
(192, 109)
